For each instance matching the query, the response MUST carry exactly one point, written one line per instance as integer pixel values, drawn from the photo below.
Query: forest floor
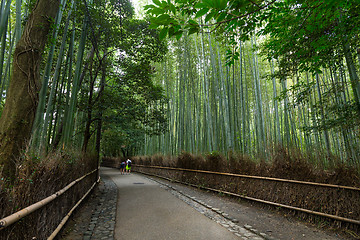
(273, 223)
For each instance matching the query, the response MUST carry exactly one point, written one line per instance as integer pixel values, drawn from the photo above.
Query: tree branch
(254, 3)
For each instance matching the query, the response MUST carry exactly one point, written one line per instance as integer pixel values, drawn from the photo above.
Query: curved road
(147, 211)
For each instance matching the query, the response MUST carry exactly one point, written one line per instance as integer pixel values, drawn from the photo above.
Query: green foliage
(130, 104)
(303, 34)
(194, 16)
(309, 35)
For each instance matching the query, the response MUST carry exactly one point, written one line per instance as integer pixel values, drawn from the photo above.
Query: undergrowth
(281, 164)
(37, 179)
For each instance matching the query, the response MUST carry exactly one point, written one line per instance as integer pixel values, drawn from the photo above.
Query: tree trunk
(87, 133)
(99, 123)
(22, 99)
(354, 78)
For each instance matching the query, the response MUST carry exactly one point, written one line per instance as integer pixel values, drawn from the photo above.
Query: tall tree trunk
(56, 76)
(326, 134)
(22, 99)
(4, 14)
(258, 98)
(70, 113)
(99, 123)
(18, 20)
(354, 78)
(39, 120)
(208, 118)
(278, 139)
(89, 109)
(2, 56)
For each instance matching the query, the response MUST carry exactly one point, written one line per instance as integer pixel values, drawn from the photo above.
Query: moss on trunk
(22, 97)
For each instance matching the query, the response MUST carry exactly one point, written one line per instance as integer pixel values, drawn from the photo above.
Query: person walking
(128, 166)
(122, 167)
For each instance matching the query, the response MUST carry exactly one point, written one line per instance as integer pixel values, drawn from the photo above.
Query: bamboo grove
(87, 88)
(242, 76)
(236, 86)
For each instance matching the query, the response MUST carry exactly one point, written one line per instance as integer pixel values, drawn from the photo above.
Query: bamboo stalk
(5, 11)
(2, 54)
(68, 122)
(18, 21)
(48, 113)
(39, 120)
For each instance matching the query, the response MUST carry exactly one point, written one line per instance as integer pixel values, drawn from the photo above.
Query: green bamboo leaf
(149, 7)
(178, 34)
(163, 33)
(192, 22)
(164, 18)
(157, 11)
(172, 8)
(221, 17)
(201, 12)
(171, 31)
(153, 25)
(216, 4)
(222, 4)
(193, 30)
(210, 16)
(157, 2)
(200, 5)
(209, 3)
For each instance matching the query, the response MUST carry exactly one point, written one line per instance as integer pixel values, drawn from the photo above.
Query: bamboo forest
(249, 76)
(180, 76)
(87, 84)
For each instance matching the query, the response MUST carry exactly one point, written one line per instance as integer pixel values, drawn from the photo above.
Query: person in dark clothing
(122, 167)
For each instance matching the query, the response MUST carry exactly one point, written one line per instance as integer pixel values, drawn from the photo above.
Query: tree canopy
(92, 75)
(311, 47)
(242, 75)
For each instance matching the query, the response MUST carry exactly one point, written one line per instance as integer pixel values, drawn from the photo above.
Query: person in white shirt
(128, 166)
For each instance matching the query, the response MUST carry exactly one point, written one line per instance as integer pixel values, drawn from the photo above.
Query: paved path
(134, 207)
(147, 211)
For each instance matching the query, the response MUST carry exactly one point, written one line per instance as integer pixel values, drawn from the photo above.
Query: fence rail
(7, 221)
(64, 220)
(255, 177)
(334, 217)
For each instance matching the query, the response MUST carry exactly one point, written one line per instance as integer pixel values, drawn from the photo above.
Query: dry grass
(37, 180)
(283, 164)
